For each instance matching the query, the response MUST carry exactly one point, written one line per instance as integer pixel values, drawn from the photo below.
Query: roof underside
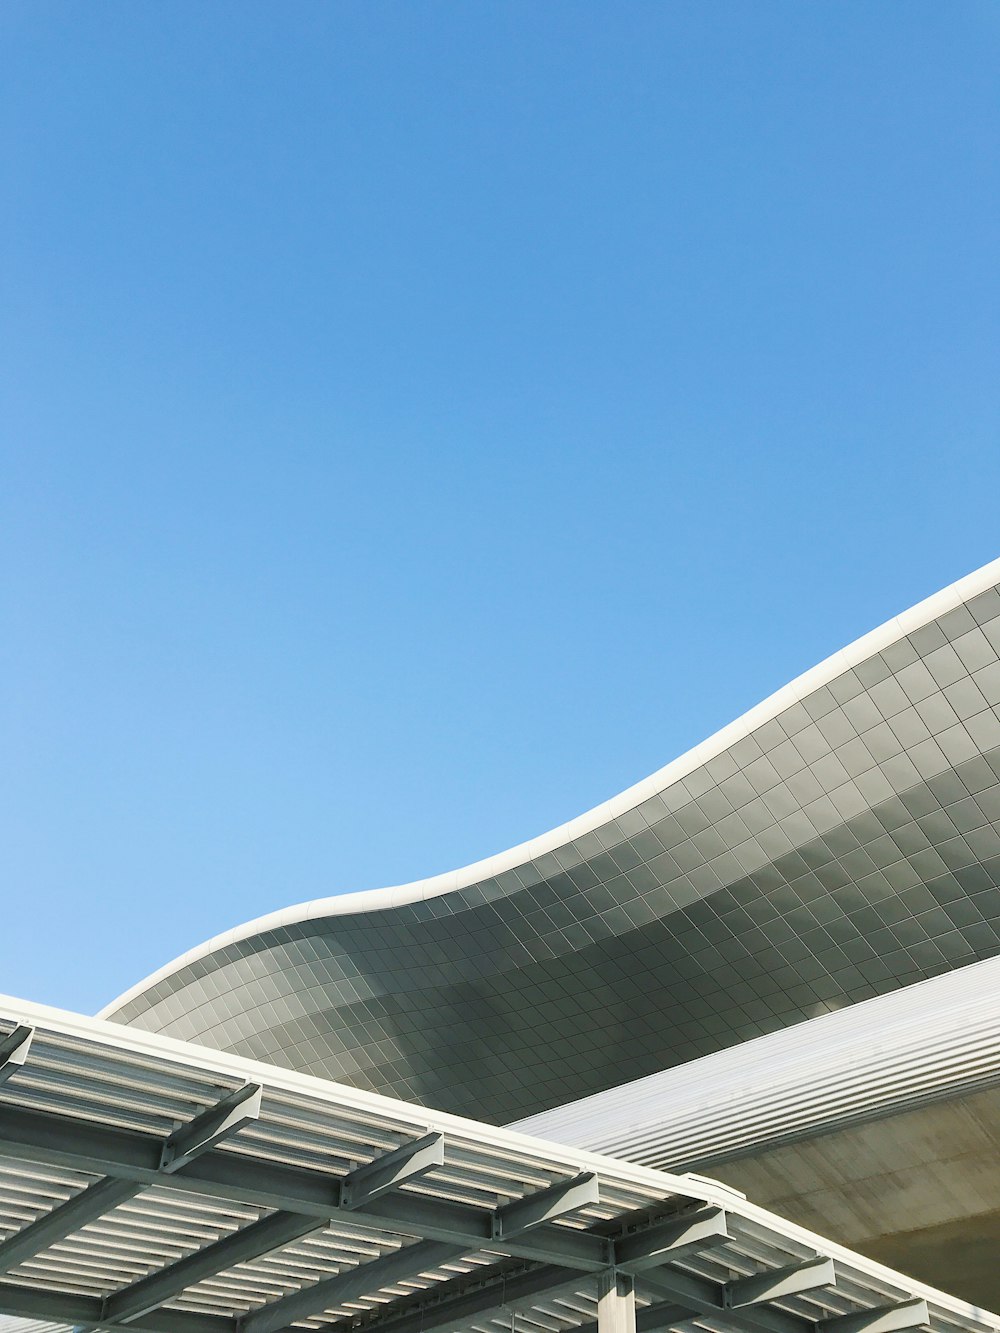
(148, 1183)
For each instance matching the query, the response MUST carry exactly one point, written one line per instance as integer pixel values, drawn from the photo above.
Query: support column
(615, 1302)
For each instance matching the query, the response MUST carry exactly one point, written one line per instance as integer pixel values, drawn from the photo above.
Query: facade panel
(841, 841)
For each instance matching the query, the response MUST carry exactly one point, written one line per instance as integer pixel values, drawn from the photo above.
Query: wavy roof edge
(376, 900)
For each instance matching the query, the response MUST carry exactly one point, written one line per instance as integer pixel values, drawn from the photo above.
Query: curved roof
(377, 900)
(733, 892)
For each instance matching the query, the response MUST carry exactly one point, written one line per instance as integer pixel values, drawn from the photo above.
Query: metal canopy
(157, 1186)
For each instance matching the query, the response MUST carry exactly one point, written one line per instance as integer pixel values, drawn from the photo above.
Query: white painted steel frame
(283, 1221)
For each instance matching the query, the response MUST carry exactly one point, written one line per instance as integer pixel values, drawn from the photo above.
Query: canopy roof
(149, 1183)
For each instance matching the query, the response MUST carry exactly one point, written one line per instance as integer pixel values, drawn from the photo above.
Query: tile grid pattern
(847, 847)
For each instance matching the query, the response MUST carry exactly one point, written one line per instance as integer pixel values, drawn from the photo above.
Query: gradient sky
(419, 421)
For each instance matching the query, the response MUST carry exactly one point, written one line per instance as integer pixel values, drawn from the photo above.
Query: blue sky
(421, 421)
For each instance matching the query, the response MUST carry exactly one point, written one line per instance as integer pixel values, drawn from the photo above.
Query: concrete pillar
(615, 1302)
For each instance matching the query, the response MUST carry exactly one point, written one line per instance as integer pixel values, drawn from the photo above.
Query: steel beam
(544, 1205)
(14, 1051)
(531, 1213)
(708, 1298)
(809, 1276)
(216, 1123)
(884, 1319)
(183, 1146)
(63, 1220)
(63, 1308)
(511, 1292)
(666, 1241)
(650, 1319)
(388, 1172)
(474, 1300)
(364, 1280)
(251, 1242)
(436, 1219)
(655, 1317)
(82, 1145)
(265, 1235)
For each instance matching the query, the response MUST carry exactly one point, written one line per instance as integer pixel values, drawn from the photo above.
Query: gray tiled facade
(848, 846)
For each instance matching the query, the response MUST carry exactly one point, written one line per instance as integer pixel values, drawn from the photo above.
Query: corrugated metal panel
(937, 1039)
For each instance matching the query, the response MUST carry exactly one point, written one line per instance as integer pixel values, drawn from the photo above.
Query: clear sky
(422, 420)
